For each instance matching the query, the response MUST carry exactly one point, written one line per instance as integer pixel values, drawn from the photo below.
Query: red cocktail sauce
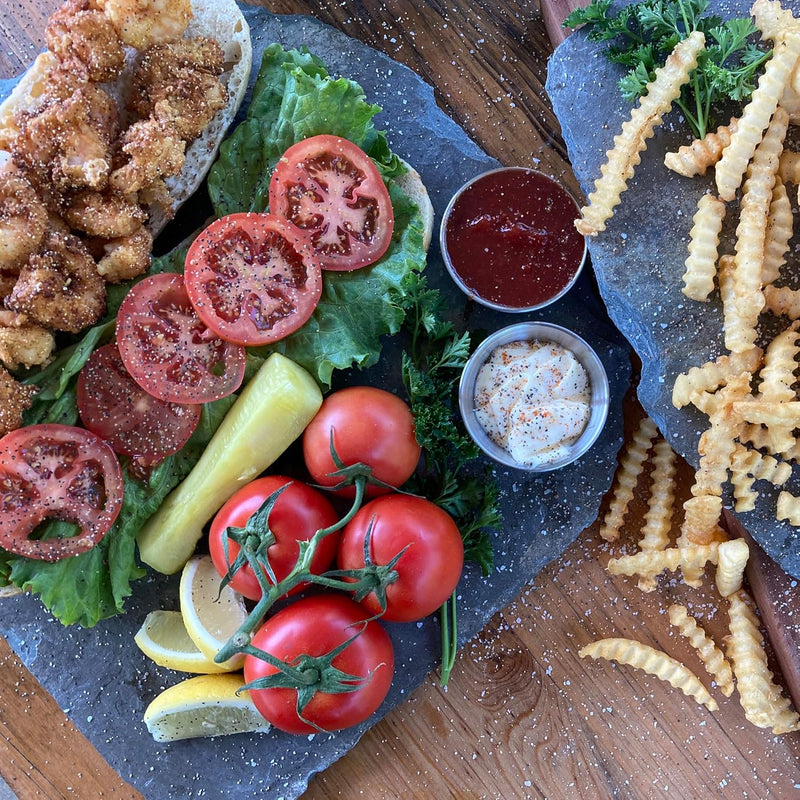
(511, 239)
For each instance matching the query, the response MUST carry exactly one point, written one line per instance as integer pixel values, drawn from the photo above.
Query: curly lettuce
(294, 97)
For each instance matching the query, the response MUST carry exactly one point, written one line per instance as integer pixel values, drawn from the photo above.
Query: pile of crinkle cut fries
(748, 394)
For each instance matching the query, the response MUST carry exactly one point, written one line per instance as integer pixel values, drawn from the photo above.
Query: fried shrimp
(15, 399)
(189, 102)
(68, 142)
(126, 257)
(23, 344)
(60, 288)
(154, 149)
(79, 29)
(23, 219)
(106, 214)
(178, 82)
(142, 23)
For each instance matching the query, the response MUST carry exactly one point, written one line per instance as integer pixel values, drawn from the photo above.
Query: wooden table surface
(523, 716)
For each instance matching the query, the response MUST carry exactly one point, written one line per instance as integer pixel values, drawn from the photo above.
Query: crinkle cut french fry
(782, 301)
(777, 375)
(650, 563)
(760, 697)
(712, 656)
(779, 233)
(772, 19)
(756, 115)
(717, 442)
(658, 517)
(788, 508)
(695, 158)
(653, 662)
(713, 374)
(731, 560)
(630, 468)
(789, 167)
(700, 527)
(632, 139)
(770, 412)
(746, 300)
(749, 465)
(701, 263)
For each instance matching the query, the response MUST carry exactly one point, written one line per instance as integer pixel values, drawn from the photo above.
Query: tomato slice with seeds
(331, 189)
(131, 420)
(169, 351)
(252, 278)
(56, 472)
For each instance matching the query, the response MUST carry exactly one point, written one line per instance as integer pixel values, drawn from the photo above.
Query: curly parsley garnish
(431, 369)
(642, 35)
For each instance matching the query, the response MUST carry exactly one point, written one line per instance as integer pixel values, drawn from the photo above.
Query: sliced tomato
(131, 420)
(331, 188)
(56, 472)
(167, 348)
(252, 278)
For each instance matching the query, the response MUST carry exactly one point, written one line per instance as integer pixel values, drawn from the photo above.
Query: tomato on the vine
(112, 405)
(302, 634)
(252, 278)
(331, 189)
(168, 350)
(299, 512)
(365, 425)
(432, 553)
(58, 472)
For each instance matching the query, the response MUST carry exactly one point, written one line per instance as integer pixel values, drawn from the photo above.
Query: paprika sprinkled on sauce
(533, 399)
(508, 237)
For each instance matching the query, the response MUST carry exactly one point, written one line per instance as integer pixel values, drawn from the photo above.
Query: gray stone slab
(639, 259)
(101, 679)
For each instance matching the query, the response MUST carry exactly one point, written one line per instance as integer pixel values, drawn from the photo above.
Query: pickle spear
(271, 412)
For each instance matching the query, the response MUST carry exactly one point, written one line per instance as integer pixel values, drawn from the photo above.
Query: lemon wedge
(206, 705)
(210, 616)
(163, 639)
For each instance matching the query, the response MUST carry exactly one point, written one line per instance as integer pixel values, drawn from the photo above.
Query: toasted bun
(218, 19)
(411, 183)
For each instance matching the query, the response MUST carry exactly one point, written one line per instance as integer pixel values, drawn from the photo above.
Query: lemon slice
(163, 638)
(206, 705)
(211, 617)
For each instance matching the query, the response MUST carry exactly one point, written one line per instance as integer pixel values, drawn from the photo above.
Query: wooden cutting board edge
(775, 592)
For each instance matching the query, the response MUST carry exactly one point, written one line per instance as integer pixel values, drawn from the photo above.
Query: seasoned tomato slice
(56, 472)
(252, 278)
(330, 188)
(131, 420)
(168, 349)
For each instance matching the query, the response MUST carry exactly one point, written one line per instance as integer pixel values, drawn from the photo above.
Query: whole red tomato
(366, 425)
(311, 628)
(429, 569)
(299, 512)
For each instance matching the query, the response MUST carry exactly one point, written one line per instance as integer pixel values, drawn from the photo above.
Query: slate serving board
(542, 515)
(639, 259)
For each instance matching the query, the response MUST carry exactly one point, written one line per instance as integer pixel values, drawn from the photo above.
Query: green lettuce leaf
(293, 98)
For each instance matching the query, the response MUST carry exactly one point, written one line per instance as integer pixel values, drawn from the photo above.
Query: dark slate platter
(542, 515)
(638, 260)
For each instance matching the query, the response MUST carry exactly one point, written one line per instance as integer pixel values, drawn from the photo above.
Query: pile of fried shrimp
(749, 393)
(81, 173)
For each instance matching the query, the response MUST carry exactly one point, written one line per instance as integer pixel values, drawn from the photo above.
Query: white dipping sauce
(533, 400)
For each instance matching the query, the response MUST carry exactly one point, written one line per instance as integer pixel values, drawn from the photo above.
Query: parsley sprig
(431, 369)
(642, 35)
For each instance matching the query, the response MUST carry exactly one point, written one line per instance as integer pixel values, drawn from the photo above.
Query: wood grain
(523, 716)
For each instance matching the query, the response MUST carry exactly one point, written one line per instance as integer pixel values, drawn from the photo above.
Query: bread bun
(218, 19)
(411, 183)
